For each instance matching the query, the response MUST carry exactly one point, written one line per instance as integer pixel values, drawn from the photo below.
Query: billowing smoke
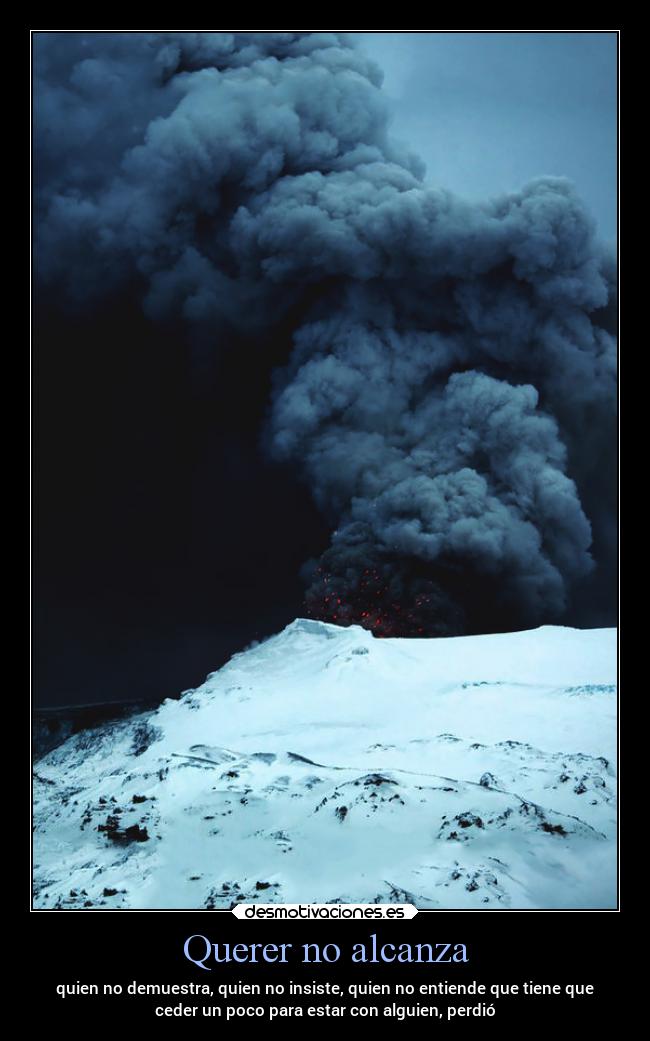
(449, 381)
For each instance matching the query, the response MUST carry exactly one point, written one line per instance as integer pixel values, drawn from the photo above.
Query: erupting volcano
(281, 373)
(381, 600)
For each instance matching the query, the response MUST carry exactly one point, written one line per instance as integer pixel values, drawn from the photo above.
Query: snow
(326, 765)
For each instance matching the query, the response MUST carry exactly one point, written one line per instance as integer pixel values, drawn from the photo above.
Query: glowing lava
(379, 600)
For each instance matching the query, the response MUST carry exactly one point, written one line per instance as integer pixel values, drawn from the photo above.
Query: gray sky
(489, 111)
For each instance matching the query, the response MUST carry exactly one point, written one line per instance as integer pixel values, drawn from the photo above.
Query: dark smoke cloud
(450, 393)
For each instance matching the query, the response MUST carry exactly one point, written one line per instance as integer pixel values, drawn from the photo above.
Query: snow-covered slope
(325, 765)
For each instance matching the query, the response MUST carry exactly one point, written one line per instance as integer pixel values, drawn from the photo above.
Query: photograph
(325, 469)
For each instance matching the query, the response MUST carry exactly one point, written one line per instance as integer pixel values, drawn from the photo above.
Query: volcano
(327, 765)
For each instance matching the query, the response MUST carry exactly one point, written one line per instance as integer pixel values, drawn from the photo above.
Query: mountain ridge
(326, 765)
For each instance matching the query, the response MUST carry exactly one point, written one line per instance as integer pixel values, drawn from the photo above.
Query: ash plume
(448, 380)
